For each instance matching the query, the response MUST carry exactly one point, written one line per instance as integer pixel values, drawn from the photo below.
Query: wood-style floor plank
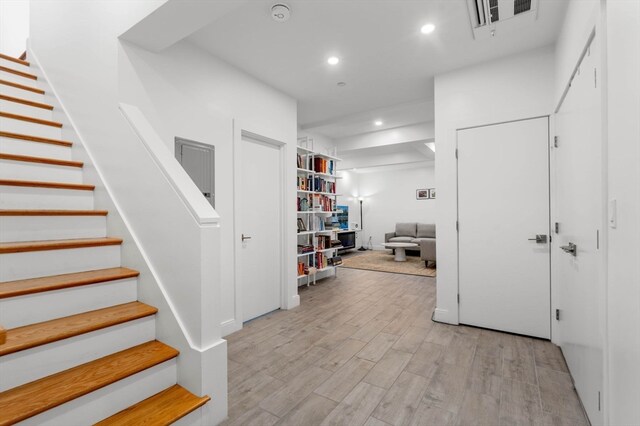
(367, 343)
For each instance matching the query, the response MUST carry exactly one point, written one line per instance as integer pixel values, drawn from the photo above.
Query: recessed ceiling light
(333, 60)
(378, 123)
(427, 28)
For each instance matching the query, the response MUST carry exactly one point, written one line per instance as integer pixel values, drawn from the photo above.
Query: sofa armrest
(388, 236)
(428, 249)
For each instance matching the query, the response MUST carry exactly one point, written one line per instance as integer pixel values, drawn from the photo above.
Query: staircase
(76, 347)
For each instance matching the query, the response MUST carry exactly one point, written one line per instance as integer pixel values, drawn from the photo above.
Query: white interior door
(503, 203)
(260, 223)
(580, 217)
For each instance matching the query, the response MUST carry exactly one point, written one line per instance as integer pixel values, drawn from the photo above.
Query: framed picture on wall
(422, 194)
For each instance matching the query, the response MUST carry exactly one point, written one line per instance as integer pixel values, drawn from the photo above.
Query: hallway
(362, 349)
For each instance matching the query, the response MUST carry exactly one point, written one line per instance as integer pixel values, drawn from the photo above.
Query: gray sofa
(423, 234)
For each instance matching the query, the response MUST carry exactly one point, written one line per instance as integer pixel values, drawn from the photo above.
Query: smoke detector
(280, 12)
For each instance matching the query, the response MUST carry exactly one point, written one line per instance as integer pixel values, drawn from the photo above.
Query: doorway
(503, 235)
(259, 224)
(198, 160)
(580, 217)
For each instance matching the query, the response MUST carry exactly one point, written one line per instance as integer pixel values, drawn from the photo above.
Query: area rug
(382, 261)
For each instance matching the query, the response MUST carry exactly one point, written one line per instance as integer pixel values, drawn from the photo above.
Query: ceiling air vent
(486, 12)
(490, 13)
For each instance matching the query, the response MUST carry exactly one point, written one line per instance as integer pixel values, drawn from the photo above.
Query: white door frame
(551, 209)
(238, 134)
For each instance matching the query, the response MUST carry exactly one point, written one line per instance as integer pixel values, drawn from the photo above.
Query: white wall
(517, 87)
(389, 197)
(183, 82)
(623, 139)
(14, 26)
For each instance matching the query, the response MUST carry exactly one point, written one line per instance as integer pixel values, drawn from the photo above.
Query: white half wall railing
(189, 276)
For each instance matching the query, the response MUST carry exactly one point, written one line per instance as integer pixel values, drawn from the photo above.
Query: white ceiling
(385, 60)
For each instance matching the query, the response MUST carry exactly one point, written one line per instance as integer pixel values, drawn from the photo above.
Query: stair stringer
(201, 368)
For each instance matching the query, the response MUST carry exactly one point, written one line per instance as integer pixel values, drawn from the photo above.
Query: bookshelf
(316, 203)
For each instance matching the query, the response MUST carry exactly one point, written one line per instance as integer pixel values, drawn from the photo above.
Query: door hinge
(458, 298)
(457, 226)
(557, 228)
(557, 314)
(597, 239)
(456, 152)
(550, 238)
(555, 141)
(599, 402)
(595, 77)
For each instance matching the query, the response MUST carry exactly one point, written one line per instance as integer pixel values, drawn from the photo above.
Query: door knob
(245, 237)
(539, 239)
(207, 194)
(571, 248)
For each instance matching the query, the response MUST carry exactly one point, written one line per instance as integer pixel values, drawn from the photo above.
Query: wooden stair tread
(3, 335)
(30, 336)
(41, 160)
(58, 282)
(33, 398)
(30, 119)
(31, 138)
(22, 86)
(51, 185)
(26, 246)
(16, 60)
(20, 73)
(161, 409)
(27, 212)
(26, 102)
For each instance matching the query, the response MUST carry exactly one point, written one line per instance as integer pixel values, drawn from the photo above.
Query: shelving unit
(317, 200)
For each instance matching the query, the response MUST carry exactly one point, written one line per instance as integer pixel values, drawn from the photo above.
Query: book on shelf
(322, 165)
(303, 269)
(323, 242)
(304, 183)
(304, 161)
(335, 261)
(321, 261)
(305, 248)
(323, 185)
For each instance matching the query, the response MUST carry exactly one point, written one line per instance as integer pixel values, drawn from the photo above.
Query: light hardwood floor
(362, 350)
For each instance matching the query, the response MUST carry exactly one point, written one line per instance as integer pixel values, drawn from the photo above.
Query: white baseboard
(293, 302)
(443, 315)
(230, 326)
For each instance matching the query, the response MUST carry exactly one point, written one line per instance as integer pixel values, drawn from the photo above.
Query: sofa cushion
(427, 230)
(418, 240)
(401, 239)
(406, 229)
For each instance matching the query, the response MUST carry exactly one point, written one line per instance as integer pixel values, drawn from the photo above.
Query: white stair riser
(109, 400)
(25, 170)
(194, 418)
(32, 364)
(39, 228)
(14, 78)
(34, 149)
(22, 109)
(35, 264)
(27, 128)
(33, 308)
(22, 94)
(21, 197)
(16, 66)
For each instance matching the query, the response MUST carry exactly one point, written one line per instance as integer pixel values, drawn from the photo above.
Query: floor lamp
(362, 248)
